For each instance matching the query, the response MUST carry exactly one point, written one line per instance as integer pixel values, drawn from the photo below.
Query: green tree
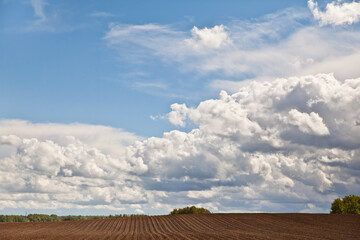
(348, 205)
(351, 204)
(337, 206)
(190, 210)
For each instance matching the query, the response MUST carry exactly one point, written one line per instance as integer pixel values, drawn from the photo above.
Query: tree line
(56, 218)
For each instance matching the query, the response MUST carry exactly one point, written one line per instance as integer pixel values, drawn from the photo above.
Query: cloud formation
(336, 13)
(277, 45)
(51, 166)
(290, 140)
(215, 37)
(292, 144)
(104, 138)
(308, 123)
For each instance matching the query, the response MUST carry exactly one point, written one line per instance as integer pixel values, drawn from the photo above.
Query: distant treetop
(348, 205)
(190, 210)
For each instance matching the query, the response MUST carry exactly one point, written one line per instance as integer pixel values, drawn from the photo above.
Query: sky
(112, 107)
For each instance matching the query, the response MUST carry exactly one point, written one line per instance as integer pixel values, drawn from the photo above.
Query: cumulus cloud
(308, 123)
(290, 140)
(178, 115)
(66, 166)
(10, 140)
(51, 159)
(104, 138)
(336, 13)
(215, 37)
(292, 144)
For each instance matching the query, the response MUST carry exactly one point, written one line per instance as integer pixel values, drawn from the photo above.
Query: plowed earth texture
(213, 226)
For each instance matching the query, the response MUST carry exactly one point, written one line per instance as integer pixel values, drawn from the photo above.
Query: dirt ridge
(207, 226)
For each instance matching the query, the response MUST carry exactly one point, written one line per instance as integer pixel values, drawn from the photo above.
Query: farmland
(193, 226)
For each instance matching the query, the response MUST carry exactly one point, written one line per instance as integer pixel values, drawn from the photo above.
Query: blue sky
(60, 69)
(143, 106)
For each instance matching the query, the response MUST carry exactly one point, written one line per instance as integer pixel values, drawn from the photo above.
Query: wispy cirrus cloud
(282, 44)
(154, 37)
(44, 20)
(102, 14)
(48, 17)
(38, 6)
(150, 85)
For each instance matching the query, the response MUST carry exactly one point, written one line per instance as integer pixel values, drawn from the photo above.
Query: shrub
(348, 205)
(190, 210)
(13, 218)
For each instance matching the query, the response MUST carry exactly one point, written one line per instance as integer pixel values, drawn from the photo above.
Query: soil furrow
(196, 227)
(185, 224)
(172, 226)
(201, 221)
(119, 222)
(124, 226)
(164, 222)
(75, 228)
(161, 231)
(209, 224)
(212, 226)
(151, 225)
(144, 226)
(100, 225)
(228, 222)
(128, 226)
(112, 226)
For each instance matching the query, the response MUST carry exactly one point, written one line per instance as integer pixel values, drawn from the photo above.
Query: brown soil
(213, 226)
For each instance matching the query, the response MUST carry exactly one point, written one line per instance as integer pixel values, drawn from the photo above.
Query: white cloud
(74, 165)
(178, 114)
(10, 140)
(104, 138)
(102, 14)
(308, 123)
(48, 17)
(337, 13)
(148, 35)
(139, 211)
(51, 159)
(151, 85)
(215, 37)
(277, 45)
(43, 21)
(38, 6)
(271, 146)
(290, 140)
(161, 40)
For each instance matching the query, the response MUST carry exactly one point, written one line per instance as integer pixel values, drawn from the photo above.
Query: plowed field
(214, 226)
